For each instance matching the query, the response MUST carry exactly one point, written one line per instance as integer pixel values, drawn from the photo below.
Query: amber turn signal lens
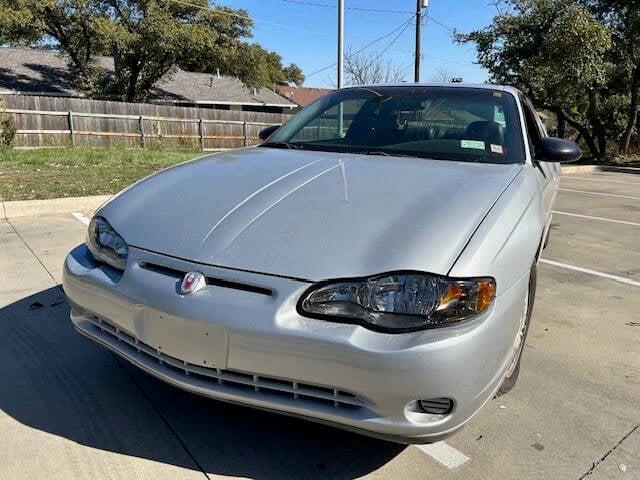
(453, 293)
(486, 294)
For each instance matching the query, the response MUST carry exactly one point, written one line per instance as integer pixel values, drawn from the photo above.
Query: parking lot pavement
(69, 409)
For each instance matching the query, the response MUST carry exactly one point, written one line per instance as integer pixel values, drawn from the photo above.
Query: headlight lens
(106, 245)
(399, 302)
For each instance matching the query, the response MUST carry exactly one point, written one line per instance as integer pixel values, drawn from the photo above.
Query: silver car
(371, 265)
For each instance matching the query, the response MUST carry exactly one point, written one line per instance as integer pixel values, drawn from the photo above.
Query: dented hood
(310, 215)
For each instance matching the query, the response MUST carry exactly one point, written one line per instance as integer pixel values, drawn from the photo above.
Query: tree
(68, 23)
(556, 51)
(622, 17)
(366, 69)
(254, 65)
(146, 38)
(293, 74)
(442, 75)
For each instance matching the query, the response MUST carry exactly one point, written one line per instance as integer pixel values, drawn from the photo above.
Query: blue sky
(306, 34)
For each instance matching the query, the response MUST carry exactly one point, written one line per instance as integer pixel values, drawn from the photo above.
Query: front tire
(514, 367)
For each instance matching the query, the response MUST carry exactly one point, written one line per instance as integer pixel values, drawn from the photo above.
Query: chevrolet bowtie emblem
(192, 282)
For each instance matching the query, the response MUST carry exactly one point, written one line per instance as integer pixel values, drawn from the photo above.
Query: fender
(508, 240)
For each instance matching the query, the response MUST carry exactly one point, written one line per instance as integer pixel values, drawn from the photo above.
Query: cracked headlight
(106, 244)
(399, 302)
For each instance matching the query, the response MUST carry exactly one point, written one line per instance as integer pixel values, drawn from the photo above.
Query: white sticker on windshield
(497, 149)
(475, 144)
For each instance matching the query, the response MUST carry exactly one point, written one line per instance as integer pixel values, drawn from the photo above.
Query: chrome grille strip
(297, 390)
(214, 281)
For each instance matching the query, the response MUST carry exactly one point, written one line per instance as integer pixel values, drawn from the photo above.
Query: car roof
(483, 86)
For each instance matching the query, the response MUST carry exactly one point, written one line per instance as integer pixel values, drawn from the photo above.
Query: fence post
(71, 132)
(201, 132)
(244, 133)
(143, 140)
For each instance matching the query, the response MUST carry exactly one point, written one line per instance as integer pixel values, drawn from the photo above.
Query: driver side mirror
(267, 132)
(558, 150)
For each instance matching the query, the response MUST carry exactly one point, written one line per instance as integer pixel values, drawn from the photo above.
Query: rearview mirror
(267, 132)
(558, 150)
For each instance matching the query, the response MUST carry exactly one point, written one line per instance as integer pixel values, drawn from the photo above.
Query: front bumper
(241, 340)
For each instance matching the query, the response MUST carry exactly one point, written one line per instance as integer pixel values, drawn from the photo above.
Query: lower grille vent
(290, 389)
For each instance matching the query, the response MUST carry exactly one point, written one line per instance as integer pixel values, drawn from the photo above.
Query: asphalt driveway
(69, 409)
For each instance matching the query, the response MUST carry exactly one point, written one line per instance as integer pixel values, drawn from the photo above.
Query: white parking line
(601, 180)
(598, 193)
(443, 453)
(589, 217)
(616, 278)
(81, 217)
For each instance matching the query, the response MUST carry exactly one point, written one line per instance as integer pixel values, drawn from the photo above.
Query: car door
(548, 174)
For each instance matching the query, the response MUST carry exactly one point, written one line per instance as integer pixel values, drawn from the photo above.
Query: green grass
(75, 172)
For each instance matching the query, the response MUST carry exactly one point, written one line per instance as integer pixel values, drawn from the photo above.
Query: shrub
(7, 128)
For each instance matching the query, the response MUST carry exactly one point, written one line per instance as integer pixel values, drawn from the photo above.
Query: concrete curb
(596, 168)
(579, 169)
(27, 208)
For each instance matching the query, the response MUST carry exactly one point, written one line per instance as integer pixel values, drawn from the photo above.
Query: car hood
(310, 215)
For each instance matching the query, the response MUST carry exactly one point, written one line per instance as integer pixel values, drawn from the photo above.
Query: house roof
(45, 72)
(302, 96)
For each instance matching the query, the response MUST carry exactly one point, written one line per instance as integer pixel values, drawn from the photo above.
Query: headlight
(106, 245)
(399, 302)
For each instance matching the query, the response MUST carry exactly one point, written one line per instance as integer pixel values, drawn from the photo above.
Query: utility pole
(420, 4)
(340, 62)
(340, 43)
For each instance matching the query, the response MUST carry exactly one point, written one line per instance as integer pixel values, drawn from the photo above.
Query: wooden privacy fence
(248, 134)
(59, 121)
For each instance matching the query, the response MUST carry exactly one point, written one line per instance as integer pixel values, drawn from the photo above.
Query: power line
(360, 9)
(451, 62)
(469, 65)
(245, 17)
(403, 26)
(440, 24)
(390, 44)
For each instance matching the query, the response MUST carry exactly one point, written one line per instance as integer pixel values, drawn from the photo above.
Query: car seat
(485, 131)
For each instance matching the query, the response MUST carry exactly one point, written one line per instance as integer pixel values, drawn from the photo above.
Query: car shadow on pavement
(55, 381)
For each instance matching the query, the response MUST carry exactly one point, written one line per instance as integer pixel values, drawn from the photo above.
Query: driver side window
(534, 132)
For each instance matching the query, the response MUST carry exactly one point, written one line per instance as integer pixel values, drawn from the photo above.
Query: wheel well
(545, 233)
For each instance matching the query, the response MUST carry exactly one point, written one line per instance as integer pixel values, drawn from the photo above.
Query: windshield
(444, 123)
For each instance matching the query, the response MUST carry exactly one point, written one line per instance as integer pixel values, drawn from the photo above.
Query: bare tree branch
(368, 68)
(442, 75)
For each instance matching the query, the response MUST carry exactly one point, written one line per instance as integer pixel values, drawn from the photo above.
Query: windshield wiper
(290, 146)
(423, 155)
(384, 153)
